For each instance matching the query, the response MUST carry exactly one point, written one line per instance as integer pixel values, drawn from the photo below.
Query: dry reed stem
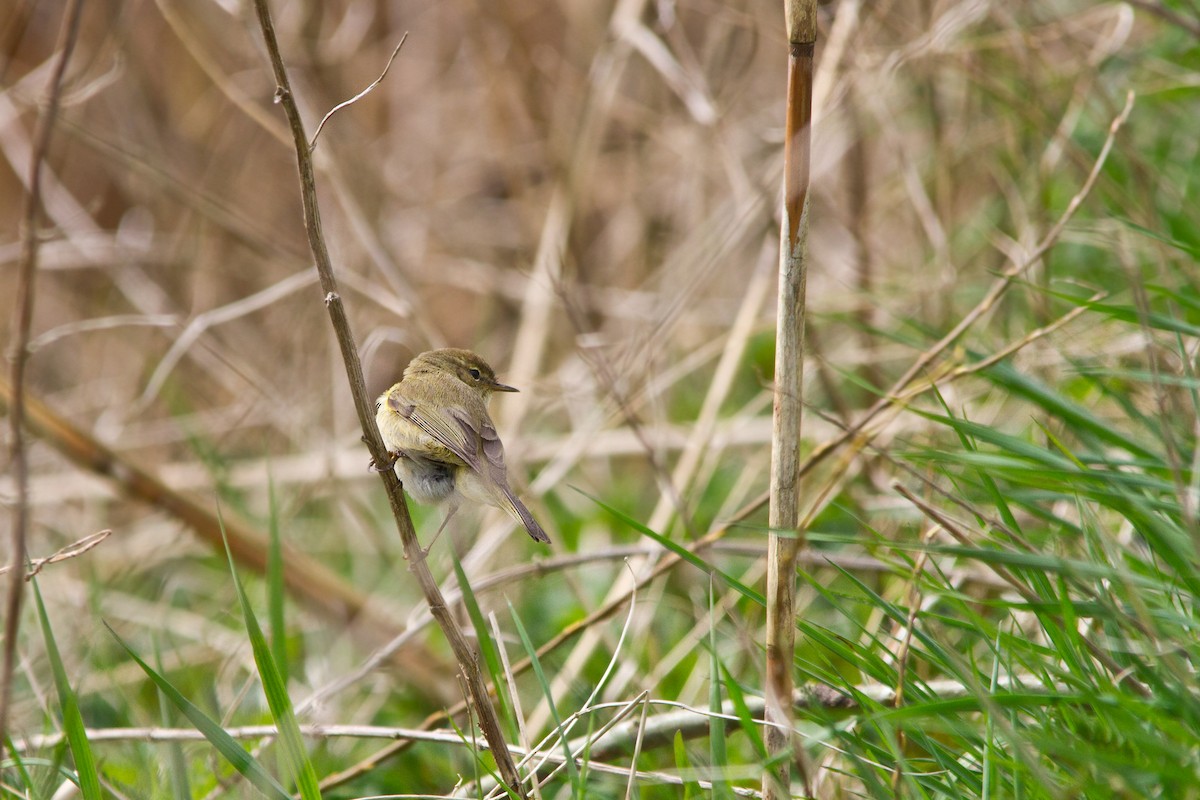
(466, 656)
(786, 536)
(22, 324)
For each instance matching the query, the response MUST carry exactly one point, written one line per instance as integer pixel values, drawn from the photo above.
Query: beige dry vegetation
(584, 193)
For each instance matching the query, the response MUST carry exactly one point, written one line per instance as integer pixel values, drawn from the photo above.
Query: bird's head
(462, 364)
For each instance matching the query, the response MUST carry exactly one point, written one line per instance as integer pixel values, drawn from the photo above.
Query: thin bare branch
(313, 144)
(22, 324)
(464, 654)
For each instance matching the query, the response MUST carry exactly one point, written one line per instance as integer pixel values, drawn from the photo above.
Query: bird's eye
(476, 374)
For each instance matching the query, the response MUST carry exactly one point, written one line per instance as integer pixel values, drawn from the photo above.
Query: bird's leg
(449, 513)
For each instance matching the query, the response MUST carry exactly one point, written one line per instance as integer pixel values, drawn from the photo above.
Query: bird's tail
(515, 507)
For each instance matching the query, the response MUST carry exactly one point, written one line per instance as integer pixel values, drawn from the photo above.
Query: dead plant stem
(463, 652)
(22, 323)
(786, 537)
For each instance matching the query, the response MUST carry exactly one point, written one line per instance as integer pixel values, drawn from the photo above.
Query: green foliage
(275, 687)
(1031, 597)
(226, 745)
(569, 758)
(86, 775)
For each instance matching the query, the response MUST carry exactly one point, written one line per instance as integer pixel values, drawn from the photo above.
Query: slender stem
(466, 655)
(786, 537)
(22, 323)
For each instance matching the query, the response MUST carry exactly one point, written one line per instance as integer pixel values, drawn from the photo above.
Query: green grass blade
(225, 744)
(718, 751)
(1182, 246)
(73, 727)
(527, 643)
(16, 761)
(1072, 414)
(993, 491)
(684, 765)
(487, 647)
(177, 766)
(276, 597)
(295, 753)
(745, 717)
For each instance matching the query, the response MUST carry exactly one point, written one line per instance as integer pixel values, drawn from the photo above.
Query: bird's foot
(422, 553)
(392, 458)
(425, 550)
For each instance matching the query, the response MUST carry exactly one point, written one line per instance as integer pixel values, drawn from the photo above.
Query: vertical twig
(786, 538)
(463, 652)
(22, 322)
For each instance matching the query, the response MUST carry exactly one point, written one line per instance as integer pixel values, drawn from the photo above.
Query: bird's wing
(493, 451)
(448, 428)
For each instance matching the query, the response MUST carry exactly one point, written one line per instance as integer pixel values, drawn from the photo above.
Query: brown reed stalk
(466, 656)
(22, 323)
(786, 538)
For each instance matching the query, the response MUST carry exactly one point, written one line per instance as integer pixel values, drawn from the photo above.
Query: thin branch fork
(465, 655)
(66, 553)
(317, 133)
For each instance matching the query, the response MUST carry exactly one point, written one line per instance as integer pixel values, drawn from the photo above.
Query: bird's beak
(500, 387)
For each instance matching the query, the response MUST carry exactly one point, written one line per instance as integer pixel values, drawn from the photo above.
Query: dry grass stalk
(786, 537)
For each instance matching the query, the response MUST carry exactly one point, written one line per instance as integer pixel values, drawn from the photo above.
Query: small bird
(445, 447)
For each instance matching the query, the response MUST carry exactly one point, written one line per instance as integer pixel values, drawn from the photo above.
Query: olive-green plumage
(435, 421)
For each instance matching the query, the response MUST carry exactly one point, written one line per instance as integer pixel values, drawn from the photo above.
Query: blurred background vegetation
(587, 195)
